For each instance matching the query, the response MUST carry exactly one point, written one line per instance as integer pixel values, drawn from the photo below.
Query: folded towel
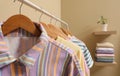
(109, 60)
(105, 51)
(105, 55)
(105, 58)
(107, 44)
(104, 61)
(101, 48)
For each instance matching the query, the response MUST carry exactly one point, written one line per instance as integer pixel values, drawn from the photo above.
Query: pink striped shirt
(22, 54)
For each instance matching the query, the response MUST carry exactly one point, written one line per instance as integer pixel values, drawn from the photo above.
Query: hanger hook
(51, 20)
(20, 8)
(40, 16)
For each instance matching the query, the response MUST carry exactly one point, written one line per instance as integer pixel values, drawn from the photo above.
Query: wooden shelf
(104, 64)
(104, 32)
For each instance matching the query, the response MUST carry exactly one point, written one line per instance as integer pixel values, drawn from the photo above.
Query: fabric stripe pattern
(87, 55)
(23, 54)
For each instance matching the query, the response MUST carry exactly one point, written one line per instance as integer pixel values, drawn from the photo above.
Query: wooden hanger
(20, 21)
(65, 31)
(49, 32)
(56, 31)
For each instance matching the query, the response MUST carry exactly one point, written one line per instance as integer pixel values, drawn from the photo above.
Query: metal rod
(32, 5)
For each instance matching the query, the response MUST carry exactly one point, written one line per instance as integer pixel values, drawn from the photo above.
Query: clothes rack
(32, 5)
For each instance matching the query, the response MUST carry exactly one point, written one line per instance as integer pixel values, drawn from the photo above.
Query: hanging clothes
(84, 49)
(76, 50)
(78, 53)
(33, 56)
(82, 45)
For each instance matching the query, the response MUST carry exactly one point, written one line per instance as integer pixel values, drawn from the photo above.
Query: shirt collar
(29, 58)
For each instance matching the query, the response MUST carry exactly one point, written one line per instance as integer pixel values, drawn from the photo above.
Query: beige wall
(9, 8)
(82, 16)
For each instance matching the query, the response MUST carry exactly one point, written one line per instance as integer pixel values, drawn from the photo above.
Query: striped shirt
(22, 54)
(77, 51)
(87, 55)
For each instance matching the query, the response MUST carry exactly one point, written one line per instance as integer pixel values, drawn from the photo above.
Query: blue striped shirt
(86, 52)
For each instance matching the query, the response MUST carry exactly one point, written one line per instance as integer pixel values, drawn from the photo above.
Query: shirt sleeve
(6, 59)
